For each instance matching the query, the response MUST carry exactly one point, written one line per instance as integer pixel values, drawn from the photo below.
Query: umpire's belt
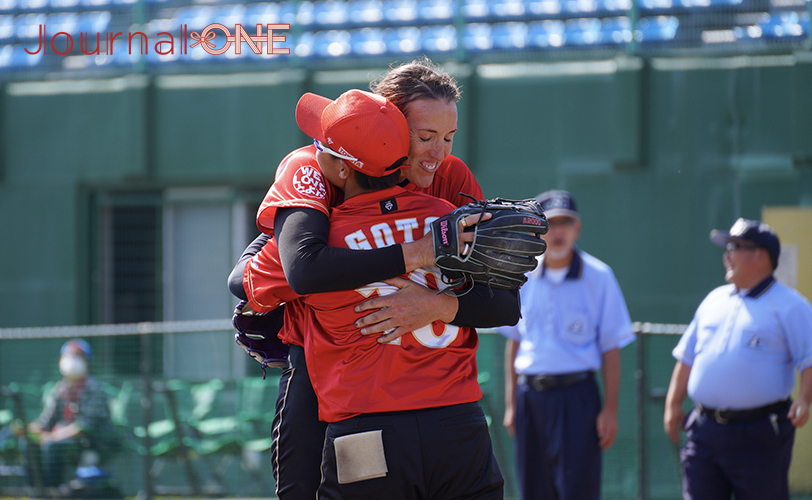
(551, 382)
(723, 416)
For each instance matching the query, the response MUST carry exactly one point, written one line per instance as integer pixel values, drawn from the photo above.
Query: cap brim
(721, 238)
(561, 212)
(309, 110)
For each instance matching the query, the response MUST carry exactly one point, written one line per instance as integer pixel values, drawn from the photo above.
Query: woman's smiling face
(432, 125)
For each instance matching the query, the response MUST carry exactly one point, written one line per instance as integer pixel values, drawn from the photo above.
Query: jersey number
(436, 335)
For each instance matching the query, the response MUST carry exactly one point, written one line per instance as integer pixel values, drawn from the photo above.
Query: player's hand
(607, 428)
(470, 221)
(798, 413)
(420, 253)
(411, 307)
(672, 422)
(510, 419)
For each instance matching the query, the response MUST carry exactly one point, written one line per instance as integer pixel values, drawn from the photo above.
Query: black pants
(749, 459)
(298, 435)
(557, 452)
(437, 453)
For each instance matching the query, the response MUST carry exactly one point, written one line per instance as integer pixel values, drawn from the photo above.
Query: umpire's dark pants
(748, 458)
(440, 453)
(557, 452)
(298, 435)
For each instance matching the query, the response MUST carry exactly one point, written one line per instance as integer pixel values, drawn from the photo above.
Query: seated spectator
(76, 417)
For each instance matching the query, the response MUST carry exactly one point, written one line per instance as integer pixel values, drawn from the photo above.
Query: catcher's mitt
(504, 248)
(257, 334)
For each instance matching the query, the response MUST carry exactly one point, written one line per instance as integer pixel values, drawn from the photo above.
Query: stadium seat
(329, 13)
(6, 52)
(476, 37)
(6, 29)
(402, 40)
(261, 13)
(616, 30)
(305, 14)
(656, 4)
(542, 8)
(475, 9)
(121, 53)
(436, 10)
(27, 26)
(545, 34)
(62, 22)
(783, 25)
(232, 15)
(180, 438)
(59, 5)
(438, 38)
(95, 4)
(286, 13)
(582, 31)
(701, 4)
(93, 22)
(196, 18)
(8, 6)
(580, 7)
(507, 9)
(615, 7)
(20, 59)
(656, 29)
(509, 36)
(726, 3)
(367, 42)
(400, 11)
(364, 12)
(330, 44)
(32, 5)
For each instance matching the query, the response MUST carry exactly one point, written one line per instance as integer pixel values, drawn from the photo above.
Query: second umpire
(737, 362)
(574, 323)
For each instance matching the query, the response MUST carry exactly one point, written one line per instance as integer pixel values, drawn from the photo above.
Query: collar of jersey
(759, 290)
(576, 266)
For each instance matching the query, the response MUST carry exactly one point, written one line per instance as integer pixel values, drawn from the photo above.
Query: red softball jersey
(354, 374)
(300, 183)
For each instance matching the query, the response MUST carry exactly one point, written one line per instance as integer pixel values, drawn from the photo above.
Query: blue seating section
(336, 29)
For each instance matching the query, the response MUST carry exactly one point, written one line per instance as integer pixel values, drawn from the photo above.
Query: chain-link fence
(193, 425)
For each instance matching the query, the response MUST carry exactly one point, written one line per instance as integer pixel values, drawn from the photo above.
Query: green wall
(657, 152)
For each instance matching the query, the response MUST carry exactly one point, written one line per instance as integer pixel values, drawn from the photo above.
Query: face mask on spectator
(72, 367)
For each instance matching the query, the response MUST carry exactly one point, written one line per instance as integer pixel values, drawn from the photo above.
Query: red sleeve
(452, 178)
(264, 280)
(299, 183)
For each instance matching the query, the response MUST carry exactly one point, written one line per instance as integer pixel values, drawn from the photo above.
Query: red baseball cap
(358, 124)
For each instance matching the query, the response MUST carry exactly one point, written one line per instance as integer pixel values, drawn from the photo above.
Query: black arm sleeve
(235, 278)
(313, 267)
(478, 310)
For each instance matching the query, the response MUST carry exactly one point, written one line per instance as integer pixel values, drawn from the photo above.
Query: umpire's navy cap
(752, 232)
(556, 203)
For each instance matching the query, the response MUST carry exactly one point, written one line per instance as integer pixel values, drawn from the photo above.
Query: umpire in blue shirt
(737, 362)
(574, 322)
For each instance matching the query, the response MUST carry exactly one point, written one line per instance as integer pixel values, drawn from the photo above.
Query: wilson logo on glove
(504, 248)
(444, 232)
